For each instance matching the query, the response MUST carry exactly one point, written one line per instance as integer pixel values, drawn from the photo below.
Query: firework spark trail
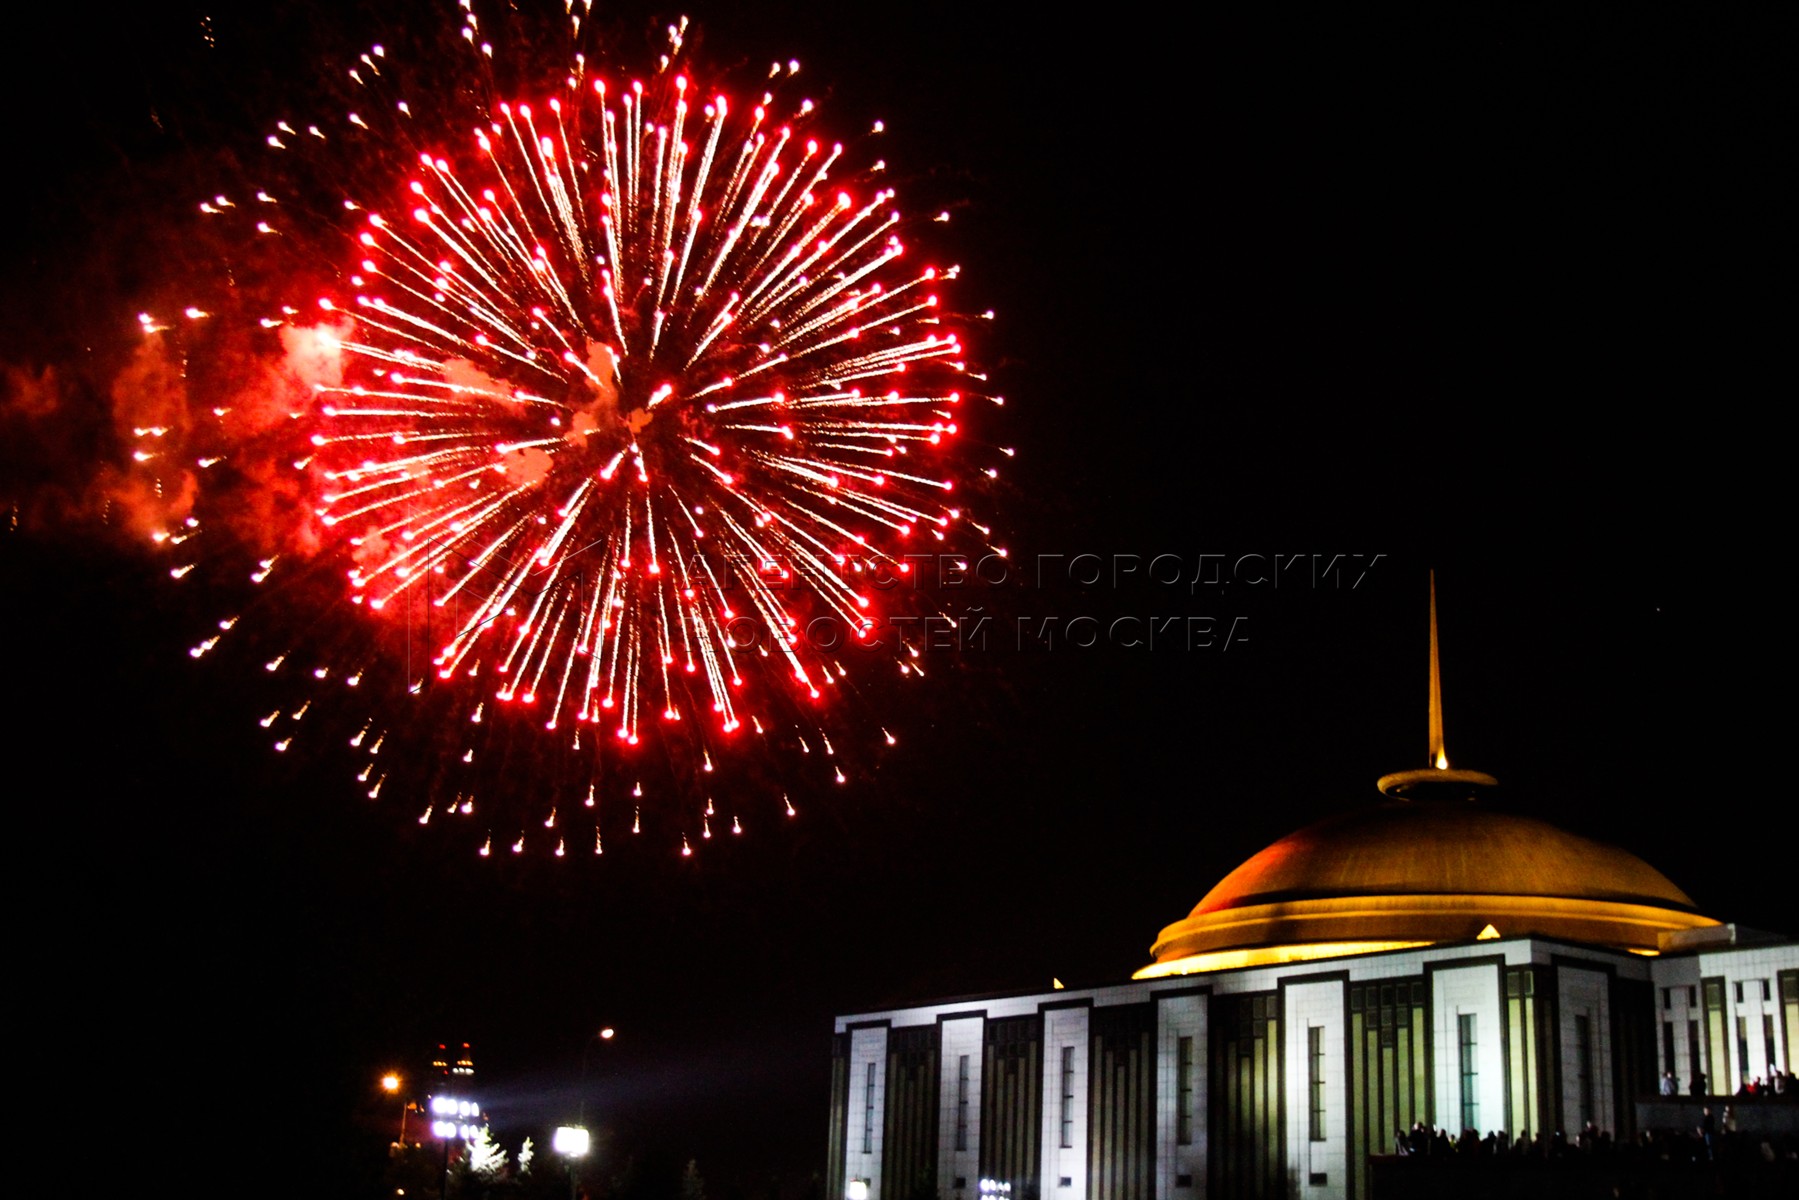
(592, 384)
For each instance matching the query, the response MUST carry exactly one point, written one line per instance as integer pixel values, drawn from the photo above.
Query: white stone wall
(1456, 992)
(1308, 1006)
(1679, 979)
(1065, 1027)
(1757, 969)
(960, 1036)
(1582, 993)
(1178, 1017)
(868, 1047)
(1752, 967)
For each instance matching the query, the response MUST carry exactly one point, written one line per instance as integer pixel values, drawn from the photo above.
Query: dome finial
(1438, 757)
(1436, 780)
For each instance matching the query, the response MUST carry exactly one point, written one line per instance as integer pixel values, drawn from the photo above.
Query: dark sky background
(1491, 292)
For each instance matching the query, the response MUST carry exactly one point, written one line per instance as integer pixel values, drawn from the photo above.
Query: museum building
(1430, 958)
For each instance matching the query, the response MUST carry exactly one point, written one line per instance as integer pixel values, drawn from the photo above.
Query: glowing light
(612, 393)
(571, 1141)
(1224, 960)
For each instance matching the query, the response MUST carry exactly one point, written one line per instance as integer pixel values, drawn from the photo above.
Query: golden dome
(1431, 864)
(1413, 872)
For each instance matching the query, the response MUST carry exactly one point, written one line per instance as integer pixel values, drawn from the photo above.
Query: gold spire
(1436, 780)
(1438, 758)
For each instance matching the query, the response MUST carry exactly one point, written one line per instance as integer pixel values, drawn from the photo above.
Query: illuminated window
(868, 1112)
(962, 1102)
(1315, 1078)
(1184, 1091)
(1466, 1031)
(1789, 1008)
(1067, 1097)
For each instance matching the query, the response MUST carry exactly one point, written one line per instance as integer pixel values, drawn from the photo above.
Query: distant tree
(486, 1157)
(629, 1181)
(545, 1176)
(692, 1186)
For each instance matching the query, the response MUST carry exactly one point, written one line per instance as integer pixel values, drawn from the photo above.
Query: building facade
(1281, 1080)
(1430, 958)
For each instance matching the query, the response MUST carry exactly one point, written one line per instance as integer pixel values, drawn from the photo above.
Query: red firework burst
(638, 393)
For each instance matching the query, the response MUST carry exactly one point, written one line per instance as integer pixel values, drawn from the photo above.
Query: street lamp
(390, 1083)
(572, 1142)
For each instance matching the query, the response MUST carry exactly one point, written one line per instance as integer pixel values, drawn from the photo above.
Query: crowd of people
(1702, 1162)
(1776, 1083)
(1713, 1138)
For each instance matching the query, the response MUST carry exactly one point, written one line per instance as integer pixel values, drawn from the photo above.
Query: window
(868, 1111)
(1739, 991)
(1315, 1078)
(1667, 1045)
(1742, 1046)
(962, 1102)
(1768, 1042)
(1583, 1064)
(1692, 997)
(1767, 989)
(1789, 1013)
(1183, 1065)
(1466, 1031)
(1717, 1036)
(1067, 1097)
(1667, 997)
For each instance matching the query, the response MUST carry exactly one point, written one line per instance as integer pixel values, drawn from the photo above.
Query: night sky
(1492, 293)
